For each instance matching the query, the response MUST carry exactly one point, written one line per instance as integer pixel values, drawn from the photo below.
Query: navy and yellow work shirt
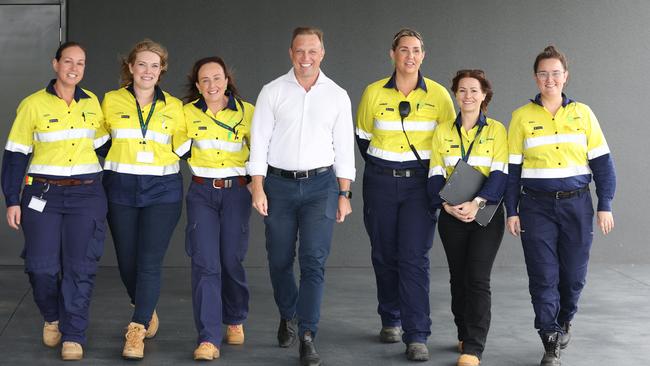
(219, 143)
(558, 153)
(142, 170)
(60, 138)
(379, 127)
(489, 155)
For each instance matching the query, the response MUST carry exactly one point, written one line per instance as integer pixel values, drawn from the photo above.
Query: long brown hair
(193, 77)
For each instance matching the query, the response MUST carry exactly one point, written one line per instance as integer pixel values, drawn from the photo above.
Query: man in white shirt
(302, 136)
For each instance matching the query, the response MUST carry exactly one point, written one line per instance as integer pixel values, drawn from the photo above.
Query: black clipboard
(462, 185)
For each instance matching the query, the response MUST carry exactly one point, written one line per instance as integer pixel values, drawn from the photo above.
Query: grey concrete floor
(611, 328)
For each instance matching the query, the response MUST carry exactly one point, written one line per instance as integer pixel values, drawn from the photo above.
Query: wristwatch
(346, 194)
(480, 202)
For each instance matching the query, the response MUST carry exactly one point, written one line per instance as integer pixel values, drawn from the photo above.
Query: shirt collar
(202, 105)
(391, 84)
(565, 100)
(157, 92)
(78, 92)
(322, 78)
(481, 122)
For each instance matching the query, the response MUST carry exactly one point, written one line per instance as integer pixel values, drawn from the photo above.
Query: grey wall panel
(29, 36)
(606, 41)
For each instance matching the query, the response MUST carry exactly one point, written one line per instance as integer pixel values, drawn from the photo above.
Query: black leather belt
(401, 173)
(556, 195)
(298, 174)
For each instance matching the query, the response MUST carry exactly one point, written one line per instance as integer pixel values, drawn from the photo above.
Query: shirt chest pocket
(50, 123)
(123, 121)
(425, 111)
(484, 146)
(198, 131)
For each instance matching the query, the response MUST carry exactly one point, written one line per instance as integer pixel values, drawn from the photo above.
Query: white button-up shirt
(298, 130)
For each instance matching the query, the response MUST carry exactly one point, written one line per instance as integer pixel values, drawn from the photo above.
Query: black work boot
(287, 333)
(308, 354)
(551, 349)
(566, 336)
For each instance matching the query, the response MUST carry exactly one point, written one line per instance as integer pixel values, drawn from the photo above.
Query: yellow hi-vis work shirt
(153, 154)
(218, 152)
(62, 138)
(489, 153)
(378, 119)
(559, 146)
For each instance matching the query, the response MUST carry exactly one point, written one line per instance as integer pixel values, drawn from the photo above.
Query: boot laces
(134, 337)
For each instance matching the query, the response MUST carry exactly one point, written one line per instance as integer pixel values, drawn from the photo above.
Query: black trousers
(470, 250)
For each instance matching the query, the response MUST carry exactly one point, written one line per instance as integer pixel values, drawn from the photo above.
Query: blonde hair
(146, 44)
(406, 32)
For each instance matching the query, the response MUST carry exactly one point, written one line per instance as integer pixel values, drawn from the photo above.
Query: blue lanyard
(464, 155)
(145, 124)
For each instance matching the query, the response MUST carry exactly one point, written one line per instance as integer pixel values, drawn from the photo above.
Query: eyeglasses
(543, 75)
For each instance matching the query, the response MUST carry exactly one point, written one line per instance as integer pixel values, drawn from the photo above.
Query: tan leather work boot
(134, 343)
(235, 334)
(153, 326)
(206, 351)
(71, 351)
(51, 334)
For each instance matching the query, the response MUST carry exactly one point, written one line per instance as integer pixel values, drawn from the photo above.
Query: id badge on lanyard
(38, 203)
(145, 157)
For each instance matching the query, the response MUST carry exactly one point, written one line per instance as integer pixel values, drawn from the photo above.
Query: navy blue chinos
(63, 245)
(401, 227)
(217, 240)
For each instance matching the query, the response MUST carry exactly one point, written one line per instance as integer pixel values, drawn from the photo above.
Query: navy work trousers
(217, 240)
(556, 237)
(401, 227)
(141, 236)
(304, 210)
(63, 245)
(471, 250)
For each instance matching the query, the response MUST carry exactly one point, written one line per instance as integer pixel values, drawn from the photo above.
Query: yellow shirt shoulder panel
(379, 120)
(218, 152)
(61, 137)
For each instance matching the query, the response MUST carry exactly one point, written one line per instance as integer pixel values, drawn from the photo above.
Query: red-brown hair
(486, 86)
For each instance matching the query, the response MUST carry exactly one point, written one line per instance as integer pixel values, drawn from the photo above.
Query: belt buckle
(215, 182)
(397, 173)
(302, 175)
(558, 195)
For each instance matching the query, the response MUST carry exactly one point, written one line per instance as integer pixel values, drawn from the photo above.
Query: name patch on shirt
(125, 116)
(538, 128)
(390, 109)
(202, 128)
(454, 146)
(53, 120)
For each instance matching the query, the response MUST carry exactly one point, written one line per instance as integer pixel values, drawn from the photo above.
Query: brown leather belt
(221, 183)
(64, 182)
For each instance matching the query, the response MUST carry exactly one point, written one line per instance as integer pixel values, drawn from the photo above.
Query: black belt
(222, 183)
(401, 173)
(556, 195)
(298, 174)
